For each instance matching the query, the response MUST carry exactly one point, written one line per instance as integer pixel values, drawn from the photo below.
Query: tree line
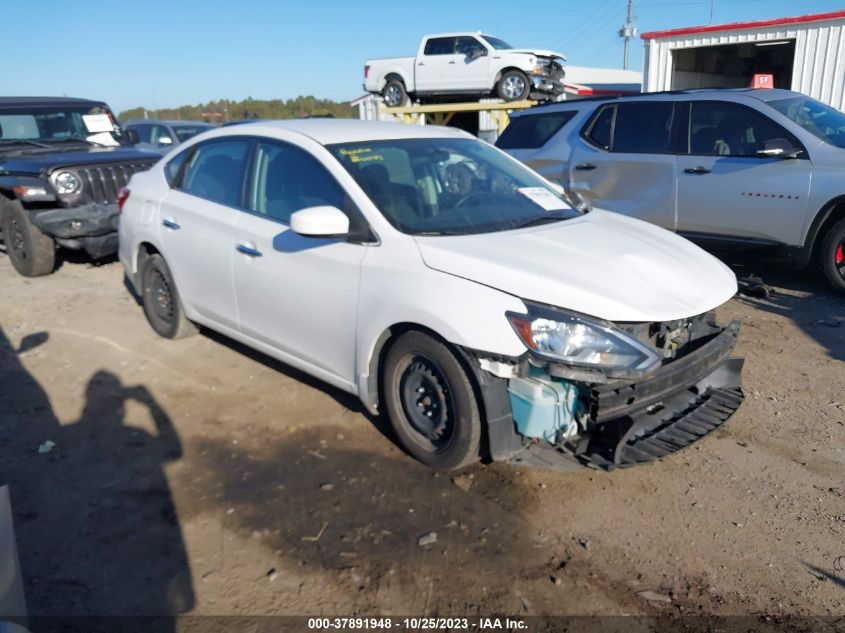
(227, 110)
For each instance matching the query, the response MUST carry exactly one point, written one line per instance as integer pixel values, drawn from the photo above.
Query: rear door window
(440, 46)
(642, 128)
(216, 171)
(634, 127)
(533, 131)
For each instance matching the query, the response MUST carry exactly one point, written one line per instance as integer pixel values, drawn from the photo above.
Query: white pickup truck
(466, 64)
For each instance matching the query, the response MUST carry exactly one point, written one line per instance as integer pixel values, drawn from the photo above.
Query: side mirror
(165, 140)
(321, 221)
(478, 52)
(778, 148)
(132, 136)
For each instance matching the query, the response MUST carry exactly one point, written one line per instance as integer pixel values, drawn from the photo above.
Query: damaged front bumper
(628, 422)
(90, 227)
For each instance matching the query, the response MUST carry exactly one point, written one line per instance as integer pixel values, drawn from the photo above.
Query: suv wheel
(31, 252)
(833, 255)
(162, 305)
(431, 403)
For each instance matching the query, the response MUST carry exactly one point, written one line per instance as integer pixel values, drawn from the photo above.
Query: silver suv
(722, 167)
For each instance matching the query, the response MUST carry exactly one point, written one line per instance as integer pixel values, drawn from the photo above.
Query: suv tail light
(366, 71)
(122, 197)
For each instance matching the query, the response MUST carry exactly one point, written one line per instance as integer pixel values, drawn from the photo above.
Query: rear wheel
(832, 254)
(431, 403)
(31, 252)
(161, 302)
(394, 93)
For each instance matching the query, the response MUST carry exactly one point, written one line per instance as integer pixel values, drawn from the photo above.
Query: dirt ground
(199, 477)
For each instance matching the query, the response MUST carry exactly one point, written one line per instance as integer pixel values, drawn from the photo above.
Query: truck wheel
(32, 253)
(832, 255)
(161, 302)
(394, 94)
(513, 86)
(430, 402)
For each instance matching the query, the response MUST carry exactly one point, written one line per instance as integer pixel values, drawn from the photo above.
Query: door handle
(170, 224)
(452, 62)
(585, 167)
(420, 63)
(697, 170)
(248, 248)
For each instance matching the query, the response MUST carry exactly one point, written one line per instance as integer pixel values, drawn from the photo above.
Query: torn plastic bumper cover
(631, 422)
(90, 227)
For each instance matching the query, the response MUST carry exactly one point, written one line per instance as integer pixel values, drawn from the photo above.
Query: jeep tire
(31, 252)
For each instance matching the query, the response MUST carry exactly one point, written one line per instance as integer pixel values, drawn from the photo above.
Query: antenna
(628, 32)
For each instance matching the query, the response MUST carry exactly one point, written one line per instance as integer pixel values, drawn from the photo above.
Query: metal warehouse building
(804, 53)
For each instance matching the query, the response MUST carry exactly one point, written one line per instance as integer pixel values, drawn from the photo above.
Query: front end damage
(547, 78)
(91, 227)
(553, 415)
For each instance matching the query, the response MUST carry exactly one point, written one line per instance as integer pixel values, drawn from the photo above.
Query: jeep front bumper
(91, 227)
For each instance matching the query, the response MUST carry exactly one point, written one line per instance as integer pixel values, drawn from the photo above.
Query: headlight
(67, 183)
(576, 340)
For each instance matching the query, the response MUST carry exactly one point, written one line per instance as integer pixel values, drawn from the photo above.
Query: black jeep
(63, 163)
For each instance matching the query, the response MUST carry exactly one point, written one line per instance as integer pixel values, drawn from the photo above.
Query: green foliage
(227, 110)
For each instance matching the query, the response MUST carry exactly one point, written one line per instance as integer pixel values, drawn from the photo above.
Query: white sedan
(443, 283)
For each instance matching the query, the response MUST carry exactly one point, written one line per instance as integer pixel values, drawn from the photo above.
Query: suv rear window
(533, 130)
(633, 128)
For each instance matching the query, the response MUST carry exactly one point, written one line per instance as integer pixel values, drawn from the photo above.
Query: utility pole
(628, 32)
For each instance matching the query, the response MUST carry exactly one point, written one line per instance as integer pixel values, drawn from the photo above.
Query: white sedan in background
(482, 314)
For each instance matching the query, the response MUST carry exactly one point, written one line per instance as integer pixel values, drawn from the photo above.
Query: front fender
(462, 312)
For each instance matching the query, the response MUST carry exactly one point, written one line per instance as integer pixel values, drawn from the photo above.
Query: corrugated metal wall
(819, 65)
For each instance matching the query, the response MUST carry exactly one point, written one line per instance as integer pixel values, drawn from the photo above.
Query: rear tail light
(122, 197)
(366, 71)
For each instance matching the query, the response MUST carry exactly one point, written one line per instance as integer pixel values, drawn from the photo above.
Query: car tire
(161, 302)
(31, 252)
(513, 86)
(431, 403)
(394, 94)
(832, 255)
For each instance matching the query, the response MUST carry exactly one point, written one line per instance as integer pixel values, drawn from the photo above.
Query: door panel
(727, 188)
(294, 293)
(197, 219)
(435, 68)
(743, 197)
(625, 165)
(300, 294)
(197, 243)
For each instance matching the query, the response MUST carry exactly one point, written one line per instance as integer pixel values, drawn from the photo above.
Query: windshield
(450, 186)
(495, 42)
(818, 119)
(45, 124)
(184, 132)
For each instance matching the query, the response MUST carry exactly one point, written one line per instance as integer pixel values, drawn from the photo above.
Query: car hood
(537, 52)
(601, 264)
(39, 160)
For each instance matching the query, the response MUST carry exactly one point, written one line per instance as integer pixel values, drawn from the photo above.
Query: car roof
(46, 101)
(329, 131)
(721, 94)
(172, 122)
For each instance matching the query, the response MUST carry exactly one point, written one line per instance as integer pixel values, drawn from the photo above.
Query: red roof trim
(585, 91)
(735, 26)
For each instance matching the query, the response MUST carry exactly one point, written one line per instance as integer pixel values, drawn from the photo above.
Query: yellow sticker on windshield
(361, 155)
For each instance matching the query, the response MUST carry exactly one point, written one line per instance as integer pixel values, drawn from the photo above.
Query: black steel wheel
(31, 252)
(431, 403)
(832, 254)
(160, 299)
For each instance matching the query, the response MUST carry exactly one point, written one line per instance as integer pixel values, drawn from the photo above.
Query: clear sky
(165, 53)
